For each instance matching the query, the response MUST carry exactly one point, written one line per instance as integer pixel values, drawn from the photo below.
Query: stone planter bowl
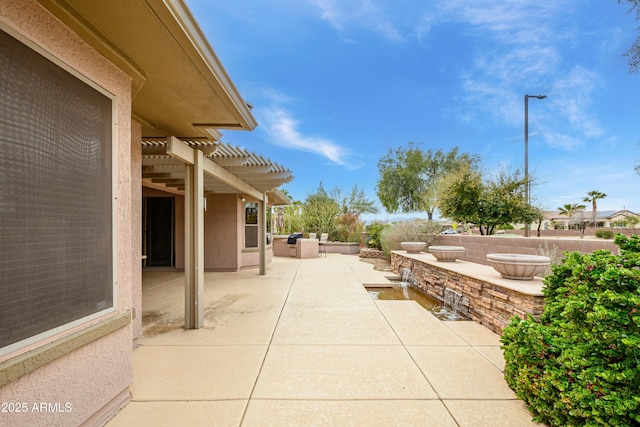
(518, 266)
(446, 253)
(413, 247)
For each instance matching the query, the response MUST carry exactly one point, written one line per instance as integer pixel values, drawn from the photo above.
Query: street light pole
(527, 226)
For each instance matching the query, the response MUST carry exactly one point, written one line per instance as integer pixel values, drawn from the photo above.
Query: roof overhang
(179, 86)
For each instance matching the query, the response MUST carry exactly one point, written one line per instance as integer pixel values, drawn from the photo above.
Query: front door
(158, 231)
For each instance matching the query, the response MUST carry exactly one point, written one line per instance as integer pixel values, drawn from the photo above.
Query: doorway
(158, 236)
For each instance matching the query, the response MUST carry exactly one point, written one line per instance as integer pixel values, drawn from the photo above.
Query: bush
(604, 234)
(505, 227)
(373, 235)
(580, 363)
(407, 231)
(347, 228)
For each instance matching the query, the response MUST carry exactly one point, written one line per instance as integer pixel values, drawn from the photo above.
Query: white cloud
(344, 16)
(560, 140)
(331, 13)
(573, 94)
(282, 129)
(518, 50)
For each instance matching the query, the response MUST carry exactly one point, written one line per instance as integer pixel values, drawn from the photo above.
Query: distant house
(111, 159)
(604, 219)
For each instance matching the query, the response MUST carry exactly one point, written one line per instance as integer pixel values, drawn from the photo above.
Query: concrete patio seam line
(266, 353)
(373, 399)
(475, 347)
(237, 399)
(408, 353)
(200, 345)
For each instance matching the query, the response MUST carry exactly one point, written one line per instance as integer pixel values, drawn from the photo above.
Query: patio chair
(322, 248)
(312, 236)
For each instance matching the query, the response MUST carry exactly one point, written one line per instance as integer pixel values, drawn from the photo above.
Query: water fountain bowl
(518, 266)
(413, 247)
(446, 253)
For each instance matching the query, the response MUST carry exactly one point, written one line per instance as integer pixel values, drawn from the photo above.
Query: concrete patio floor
(306, 345)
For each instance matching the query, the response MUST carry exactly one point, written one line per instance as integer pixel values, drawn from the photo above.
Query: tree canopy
(487, 203)
(411, 179)
(568, 209)
(633, 54)
(319, 211)
(355, 202)
(337, 212)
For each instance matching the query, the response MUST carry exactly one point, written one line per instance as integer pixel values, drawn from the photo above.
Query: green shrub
(406, 231)
(505, 227)
(373, 235)
(348, 227)
(604, 234)
(580, 363)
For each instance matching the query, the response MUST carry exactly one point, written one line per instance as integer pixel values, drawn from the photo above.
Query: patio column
(262, 235)
(194, 242)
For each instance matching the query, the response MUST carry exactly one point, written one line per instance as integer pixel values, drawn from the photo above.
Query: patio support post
(194, 242)
(262, 235)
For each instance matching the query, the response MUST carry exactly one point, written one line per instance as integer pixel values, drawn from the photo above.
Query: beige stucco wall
(477, 247)
(221, 228)
(136, 220)
(100, 372)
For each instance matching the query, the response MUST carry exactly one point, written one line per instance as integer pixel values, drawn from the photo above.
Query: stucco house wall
(136, 230)
(94, 378)
(224, 232)
(221, 225)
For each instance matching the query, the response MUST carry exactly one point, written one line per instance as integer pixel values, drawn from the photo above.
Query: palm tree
(569, 209)
(592, 196)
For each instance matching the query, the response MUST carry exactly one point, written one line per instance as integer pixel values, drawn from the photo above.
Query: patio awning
(232, 170)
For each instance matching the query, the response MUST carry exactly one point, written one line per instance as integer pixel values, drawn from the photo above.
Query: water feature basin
(446, 253)
(403, 291)
(397, 293)
(413, 247)
(518, 266)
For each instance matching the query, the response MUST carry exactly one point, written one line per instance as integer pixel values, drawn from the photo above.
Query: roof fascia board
(278, 198)
(190, 28)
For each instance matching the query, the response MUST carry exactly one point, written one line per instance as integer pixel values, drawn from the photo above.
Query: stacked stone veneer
(371, 253)
(487, 303)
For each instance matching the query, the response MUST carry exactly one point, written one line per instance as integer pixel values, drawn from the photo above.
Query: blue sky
(336, 83)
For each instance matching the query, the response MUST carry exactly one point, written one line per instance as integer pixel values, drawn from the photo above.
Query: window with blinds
(250, 225)
(56, 220)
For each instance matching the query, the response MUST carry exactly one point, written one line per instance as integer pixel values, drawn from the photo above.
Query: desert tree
(411, 179)
(486, 202)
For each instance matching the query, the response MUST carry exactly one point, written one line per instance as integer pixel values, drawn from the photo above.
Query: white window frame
(256, 225)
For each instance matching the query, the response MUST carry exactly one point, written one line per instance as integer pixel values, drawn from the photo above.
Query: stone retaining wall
(371, 253)
(488, 303)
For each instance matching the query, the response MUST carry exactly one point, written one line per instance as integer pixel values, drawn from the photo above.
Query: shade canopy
(253, 173)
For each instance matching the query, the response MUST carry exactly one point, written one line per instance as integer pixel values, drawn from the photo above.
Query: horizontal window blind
(56, 223)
